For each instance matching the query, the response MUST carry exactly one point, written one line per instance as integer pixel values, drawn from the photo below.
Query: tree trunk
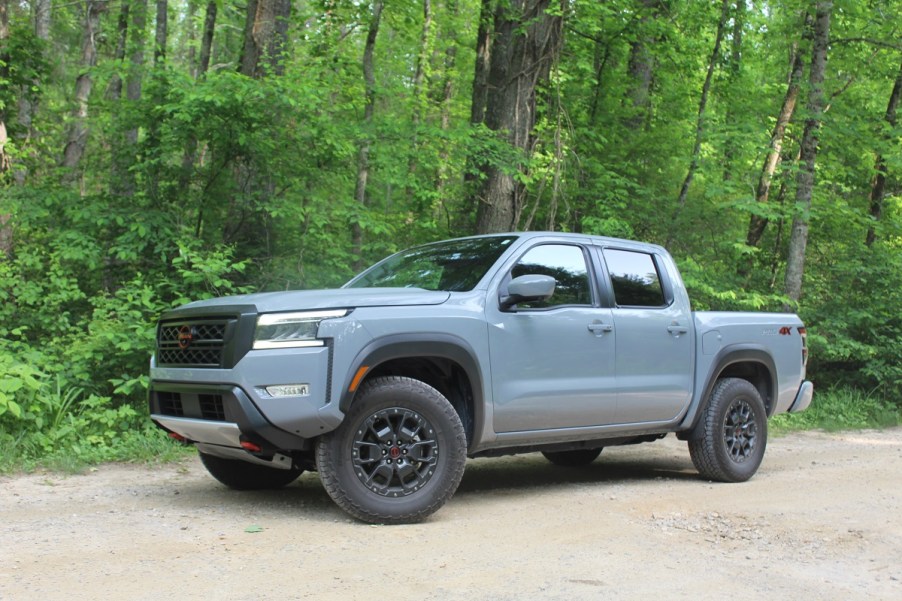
(28, 100)
(206, 44)
(735, 72)
(265, 37)
(77, 137)
(159, 49)
(640, 67)
(247, 64)
(419, 97)
(880, 168)
(200, 72)
(447, 96)
(757, 223)
(5, 162)
(6, 234)
(702, 104)
(114, 88)
(526, 43)
(134, 79)
(798, 241)
(363, 153)
(483, 62)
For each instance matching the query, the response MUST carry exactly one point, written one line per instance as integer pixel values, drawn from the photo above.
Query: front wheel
(735, 433)
(398, 456)
(243, 475)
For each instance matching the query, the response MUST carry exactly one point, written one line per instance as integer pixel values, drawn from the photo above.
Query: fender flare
(402, 346)
(727, 356)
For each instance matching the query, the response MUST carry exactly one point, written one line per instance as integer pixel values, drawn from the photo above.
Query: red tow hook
(249, 446)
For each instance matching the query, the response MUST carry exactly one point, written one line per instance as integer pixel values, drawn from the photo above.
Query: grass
(146, 446)
(840, 409)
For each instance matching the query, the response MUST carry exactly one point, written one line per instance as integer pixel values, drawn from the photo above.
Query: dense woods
(154, 152)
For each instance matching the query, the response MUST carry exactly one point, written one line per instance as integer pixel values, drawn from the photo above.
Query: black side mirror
(528, 288)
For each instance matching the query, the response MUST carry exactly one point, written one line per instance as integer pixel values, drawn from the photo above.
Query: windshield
(453, 266)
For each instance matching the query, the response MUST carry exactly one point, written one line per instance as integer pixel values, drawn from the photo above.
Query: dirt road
(821, 520)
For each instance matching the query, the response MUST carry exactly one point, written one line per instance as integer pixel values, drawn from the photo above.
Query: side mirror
(528, 288)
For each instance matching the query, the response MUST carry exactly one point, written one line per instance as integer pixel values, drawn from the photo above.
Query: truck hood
(344, 298)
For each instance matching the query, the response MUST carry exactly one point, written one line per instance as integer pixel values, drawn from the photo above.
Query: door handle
(676, 329)
(599, 329)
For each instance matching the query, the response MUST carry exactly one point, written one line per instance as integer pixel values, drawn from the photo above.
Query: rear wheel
(572, 458)
(398, 456)
(242, 475)
(735, 433)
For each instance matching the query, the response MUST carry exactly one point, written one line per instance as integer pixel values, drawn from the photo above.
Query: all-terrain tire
(572, 458)
(735, 433)
(398, 456)
(242, 475)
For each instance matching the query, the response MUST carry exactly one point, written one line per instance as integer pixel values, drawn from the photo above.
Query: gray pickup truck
(526, 342)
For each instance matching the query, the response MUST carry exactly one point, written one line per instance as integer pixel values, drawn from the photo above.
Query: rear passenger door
(654, 342)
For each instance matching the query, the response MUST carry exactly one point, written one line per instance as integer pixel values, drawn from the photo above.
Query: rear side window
(635, 278)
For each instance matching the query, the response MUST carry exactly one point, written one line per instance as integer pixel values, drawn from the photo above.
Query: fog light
(289, 390)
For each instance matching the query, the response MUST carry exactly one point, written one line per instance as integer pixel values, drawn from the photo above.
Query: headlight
(288, 330)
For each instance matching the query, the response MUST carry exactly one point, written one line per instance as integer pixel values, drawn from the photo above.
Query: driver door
(553, 360)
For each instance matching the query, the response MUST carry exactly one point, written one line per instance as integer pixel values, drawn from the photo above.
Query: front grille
(191, 343)
(188, 404)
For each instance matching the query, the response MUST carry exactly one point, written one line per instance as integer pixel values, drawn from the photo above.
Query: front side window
(635, 278)
(567, 265)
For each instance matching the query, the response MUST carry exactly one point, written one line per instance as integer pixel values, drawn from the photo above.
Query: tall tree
(114, 88)
(757, 223)
(265, 37)
(734, 64)
(200, 73)
(798, 242)
(162, 33)
(702, 107)
(880, 168)
(29, 100)
(526, 43)
(77, 137)
(206, 44)
(483, 61)
(5, 162)
(640, 65)
(134, 79)
(363, 152)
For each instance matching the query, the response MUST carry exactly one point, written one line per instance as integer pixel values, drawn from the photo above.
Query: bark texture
(77, 137)
(880, 168)
(363, 153)
(265, 37)
(483, 61)
(798, 241)
(114, 88)
(4, 60)
(640, 66)
(526, 43)
(702, 105)
(206, 43)
(758, 223)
